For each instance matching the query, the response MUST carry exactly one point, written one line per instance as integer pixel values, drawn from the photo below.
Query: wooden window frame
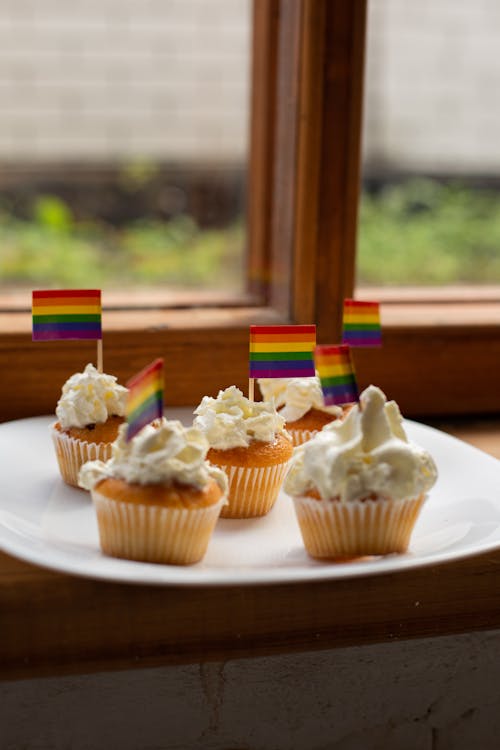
(303, 186)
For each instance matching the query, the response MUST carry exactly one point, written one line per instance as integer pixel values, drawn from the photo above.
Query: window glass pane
(123, 143)
(430, 212)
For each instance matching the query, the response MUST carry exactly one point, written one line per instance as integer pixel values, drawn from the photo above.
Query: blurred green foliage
(423, 232)
(420, 232)
(54, 249)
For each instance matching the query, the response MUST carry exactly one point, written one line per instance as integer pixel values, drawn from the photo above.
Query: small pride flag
(336, 374)
(145, 397)
(282, 351)
(66, 314)
(361, 323)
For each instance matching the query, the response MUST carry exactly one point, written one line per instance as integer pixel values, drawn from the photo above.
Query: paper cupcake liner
(252, 491)
(300, 436)
(73, 453)
(151, 533)
(374, 527)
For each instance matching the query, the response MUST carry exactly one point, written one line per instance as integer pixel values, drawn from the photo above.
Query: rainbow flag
(66, 314)
(361, 323)
(282, 351)
(336, 374)
(145, 397)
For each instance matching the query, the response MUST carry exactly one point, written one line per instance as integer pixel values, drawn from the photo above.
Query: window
(308, 58)
(123, 143)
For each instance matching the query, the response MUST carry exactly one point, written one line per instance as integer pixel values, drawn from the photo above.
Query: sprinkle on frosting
(367, 454)
(231, 420)
(294, 397)
(159, 454)
(90, 397)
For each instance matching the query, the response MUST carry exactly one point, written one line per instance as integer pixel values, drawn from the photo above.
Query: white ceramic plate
(43, 521)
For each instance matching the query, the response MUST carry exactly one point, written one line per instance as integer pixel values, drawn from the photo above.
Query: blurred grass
(52, 249)
(423, 232)
(420, 232)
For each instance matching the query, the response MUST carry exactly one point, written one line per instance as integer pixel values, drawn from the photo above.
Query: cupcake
(300, 402)
(89, 413)
(157, 499)
(248, 441)
(359, 485)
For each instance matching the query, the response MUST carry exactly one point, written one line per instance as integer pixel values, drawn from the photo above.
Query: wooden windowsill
(58, 624)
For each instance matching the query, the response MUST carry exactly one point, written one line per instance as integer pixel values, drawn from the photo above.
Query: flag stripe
(52, 333)
(292, 372)
(64, 302)
(69, 293)
(329, 371)
(269, 356)
(365, 325)
(360, 304)
(277, 338)
(66, 319)
(283, 330)
(361, 338)
(294, 346)
(67, 310)
(280, 364)
(340, 395)
(329, 382)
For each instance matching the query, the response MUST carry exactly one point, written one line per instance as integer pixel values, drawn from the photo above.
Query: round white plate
(43, 521)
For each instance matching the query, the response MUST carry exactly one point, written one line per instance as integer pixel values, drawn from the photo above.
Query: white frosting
(162, 454)
(294, 397)
(231, 420)
(367, 453)
(90, 397)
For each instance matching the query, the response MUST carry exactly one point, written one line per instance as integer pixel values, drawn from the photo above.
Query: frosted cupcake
(157, 499)
(300, 402)
(89, 413)
(359, 485)
(248, 441)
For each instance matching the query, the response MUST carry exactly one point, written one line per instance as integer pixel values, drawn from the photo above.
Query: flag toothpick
(361, 323)
(145, 398)
(336, 374)
(281, 352)
(69, 314)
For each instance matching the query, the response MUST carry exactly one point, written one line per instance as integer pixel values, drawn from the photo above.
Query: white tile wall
(433, 77)
(169, 79)
(100, 79)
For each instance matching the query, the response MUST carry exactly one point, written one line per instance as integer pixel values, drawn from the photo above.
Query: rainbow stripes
(66, 314)
(336, 374)
(361, 323)
(282, 351)
(145, 397)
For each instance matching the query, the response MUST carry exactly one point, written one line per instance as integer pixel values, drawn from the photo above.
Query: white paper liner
(72, 453)
(252, 491)
(151, 533)
(300, 436)
(373, 527)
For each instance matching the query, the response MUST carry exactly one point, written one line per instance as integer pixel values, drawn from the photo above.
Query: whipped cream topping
(89, 397)
(161, 454)
(232, 421)
(294, 397)
(368, 453)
